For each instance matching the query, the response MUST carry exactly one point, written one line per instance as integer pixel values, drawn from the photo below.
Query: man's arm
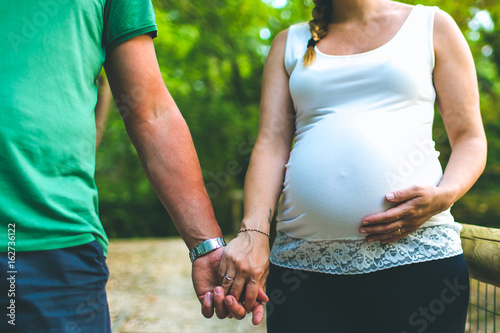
(163, 142)
(161, 138)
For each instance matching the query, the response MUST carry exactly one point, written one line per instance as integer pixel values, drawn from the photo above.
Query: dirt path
(150, 290)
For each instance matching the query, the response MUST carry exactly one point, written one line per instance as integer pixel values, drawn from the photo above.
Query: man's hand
(206, 279)
(416, 205)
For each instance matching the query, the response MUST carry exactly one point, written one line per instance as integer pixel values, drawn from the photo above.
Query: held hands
(243, 271)
(205, 281)
(416, 205)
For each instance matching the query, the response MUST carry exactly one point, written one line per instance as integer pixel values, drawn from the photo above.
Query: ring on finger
(227, 278)
(399, 231)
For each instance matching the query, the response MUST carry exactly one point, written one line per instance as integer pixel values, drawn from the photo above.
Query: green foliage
(211, 54)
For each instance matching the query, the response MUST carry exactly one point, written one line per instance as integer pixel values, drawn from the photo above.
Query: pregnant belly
(336, 176)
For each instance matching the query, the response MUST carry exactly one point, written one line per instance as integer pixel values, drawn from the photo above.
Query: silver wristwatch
(206, 247)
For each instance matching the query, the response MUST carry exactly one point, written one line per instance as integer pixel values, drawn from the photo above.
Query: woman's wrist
(253, 237)
(263, 224)
(446, 196)
(254, 230)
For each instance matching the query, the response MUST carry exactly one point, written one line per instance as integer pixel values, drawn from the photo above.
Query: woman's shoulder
(447, 35)
(281, 37)
(295, 34)
(290, 44)
(443, 21)
(300, 30)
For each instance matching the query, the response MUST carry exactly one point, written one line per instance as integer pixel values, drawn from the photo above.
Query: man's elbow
(150, 113)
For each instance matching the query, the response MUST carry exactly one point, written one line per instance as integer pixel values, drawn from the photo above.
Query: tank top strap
(417, 32)
(296, 45)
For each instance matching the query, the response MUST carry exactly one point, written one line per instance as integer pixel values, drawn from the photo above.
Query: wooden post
(482, 253)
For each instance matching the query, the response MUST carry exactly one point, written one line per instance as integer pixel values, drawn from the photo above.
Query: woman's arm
(246, 258)
(457, 92)
(102, 107)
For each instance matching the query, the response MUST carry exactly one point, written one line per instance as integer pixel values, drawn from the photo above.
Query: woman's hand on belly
(415, 206)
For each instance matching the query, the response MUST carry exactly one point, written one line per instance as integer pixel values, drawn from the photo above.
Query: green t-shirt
(51, 54)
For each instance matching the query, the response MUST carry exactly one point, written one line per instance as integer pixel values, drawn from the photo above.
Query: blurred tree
(211, 53)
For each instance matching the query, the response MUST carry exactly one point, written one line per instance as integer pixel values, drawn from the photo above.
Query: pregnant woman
(365, 239)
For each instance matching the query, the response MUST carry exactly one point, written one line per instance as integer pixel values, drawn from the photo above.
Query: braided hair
(318, 27)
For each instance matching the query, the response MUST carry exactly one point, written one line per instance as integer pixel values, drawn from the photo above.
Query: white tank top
(363, 129)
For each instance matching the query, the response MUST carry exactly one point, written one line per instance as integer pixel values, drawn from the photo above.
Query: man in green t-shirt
(53, 242)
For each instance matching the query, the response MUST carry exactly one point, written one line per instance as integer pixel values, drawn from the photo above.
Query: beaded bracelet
(250, 229)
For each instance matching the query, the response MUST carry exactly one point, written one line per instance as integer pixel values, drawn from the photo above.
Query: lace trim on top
(356, 256)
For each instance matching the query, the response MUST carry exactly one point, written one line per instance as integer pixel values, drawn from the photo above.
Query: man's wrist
(206, 247)
(197, 234)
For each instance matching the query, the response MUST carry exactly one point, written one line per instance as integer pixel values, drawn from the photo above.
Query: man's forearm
(169, 158)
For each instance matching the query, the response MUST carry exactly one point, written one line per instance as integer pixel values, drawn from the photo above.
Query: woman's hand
(416, 205)
(246, 263)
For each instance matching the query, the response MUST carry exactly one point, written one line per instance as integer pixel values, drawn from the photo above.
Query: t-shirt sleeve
(125, 19)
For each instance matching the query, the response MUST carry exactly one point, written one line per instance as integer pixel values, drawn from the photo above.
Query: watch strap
(206, 247)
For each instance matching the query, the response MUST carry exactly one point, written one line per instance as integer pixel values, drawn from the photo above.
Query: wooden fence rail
(482, 253)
